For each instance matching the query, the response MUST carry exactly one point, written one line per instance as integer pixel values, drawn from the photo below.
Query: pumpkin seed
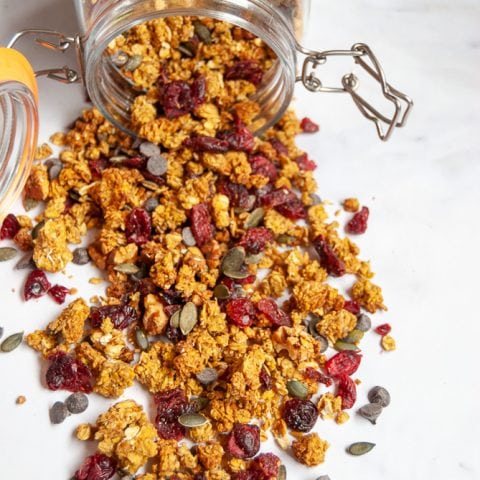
(80, 256)
(255, 218)
(142, 272)
(282, 473)
(149, 149)
(188, 318)
(312, 329)
(76, 402)
(128, 268)
(11, 342)
(379, 395)
(202, 32)
(1, 332)
(141, 339)
(354, 336)
(236, 274)
(175, 319)
(7, 253)
(30, 203)
(74, 195)
(151, 204)
(371, 412)
(187, 49)
(54, 171)
(26, 261)
(360, 448)
(192, 420)
(297, 389)
(323, 477)
(58, 413)
(363, 323)
(199, 403)
(188, 238)
(207, 375)
(254, 258)
(221, 292)
(157, 165)
(133, 63)
(341, 346)
(119, 58)
(36, 229)
(285, 239)
(233, 260)
(315, 201)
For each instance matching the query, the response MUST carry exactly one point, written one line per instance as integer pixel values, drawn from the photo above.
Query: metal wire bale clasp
(59, 42)
(350, 82)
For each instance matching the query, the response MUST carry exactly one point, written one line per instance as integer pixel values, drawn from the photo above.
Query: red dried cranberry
(138, 161)
(279, 147)
(358, 223)
(201, 224)
(246, 281)
(352, 306)
(261, 165)
(346, 362)
(96, 467)
(245, 70)
(244, 441)
(36, 285)
(300, 415)
(241, 312)
(172, 297)
(286, 203)
(255, 239)
(176, 99)
(159, 180)
(247, 475)
(199, 88)
(203, 143)
(328, 258)
(138, 226)
(274, 314)
(68, 373)
(121, 315)
(58, 293)
(240, 138)
(265, 379)
(267, 465)
(305, 163)
(347, 390)
(309, 126)
(236, 193)
(383, 329)
(170, 405)
(97, 166)
(10, 227)
(174, 334)
(318, 376)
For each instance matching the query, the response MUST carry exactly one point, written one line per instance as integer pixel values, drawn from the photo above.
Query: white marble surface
(423, 191)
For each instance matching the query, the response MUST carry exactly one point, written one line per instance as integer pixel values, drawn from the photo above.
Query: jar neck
(112, 94)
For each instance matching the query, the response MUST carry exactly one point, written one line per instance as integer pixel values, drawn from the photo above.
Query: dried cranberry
(305, 163)
(10, 227)
(318, 376)
(158, 179)
(58, 293)
(286, 203)
(203, 143)
(244, 441)
(121, 315)
(240, 138)
(201, 224)
(346, 362)
(236, 193)
(170, 405)
(68, 373)
(176, 99)
(383, 329)
(255, 239)
(174, 334)
(245, 70)
(96, 467)
(280, 147)
(358, 223)
(347, 390)
(261, 165)
(137, 161)
(247, 475)
(274, 314)
(138, 226)
(241, 312)
(328, 258)
(199, 88)
(36, 285)
(172, 297)
(352, 306)
(300, 415)
(265, 379)
(267, 465)
(309, 126)
(97, 166)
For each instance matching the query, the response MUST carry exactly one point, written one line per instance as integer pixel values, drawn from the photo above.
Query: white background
(423, 239)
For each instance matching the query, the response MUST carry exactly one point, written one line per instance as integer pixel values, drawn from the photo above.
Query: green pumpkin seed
(7, 253)
(233, 260)
(254, 259)
(141, 339)
(175, 319)
(341, 346)
(255, 218)
(202, 32)
(379, 395)
(36, 229)
(363, 323)
(128, 268)
(221, 292)
(187, 49)
(297, 389)
(371, 412)
(199, 403)
(312, 329)
(188, 318)
(133, 63)
(26, 261)
(30, 204)
(236, 274)
(207, 375)
(282, 473)
(11, 342)
(360, 448)
(285, 239)
(354, 336)
(192, 420)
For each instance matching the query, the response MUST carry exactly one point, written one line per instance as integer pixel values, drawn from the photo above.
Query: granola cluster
(216, 301)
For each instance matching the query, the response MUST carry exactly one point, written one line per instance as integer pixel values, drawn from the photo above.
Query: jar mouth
(113, 95)
(18, 139)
